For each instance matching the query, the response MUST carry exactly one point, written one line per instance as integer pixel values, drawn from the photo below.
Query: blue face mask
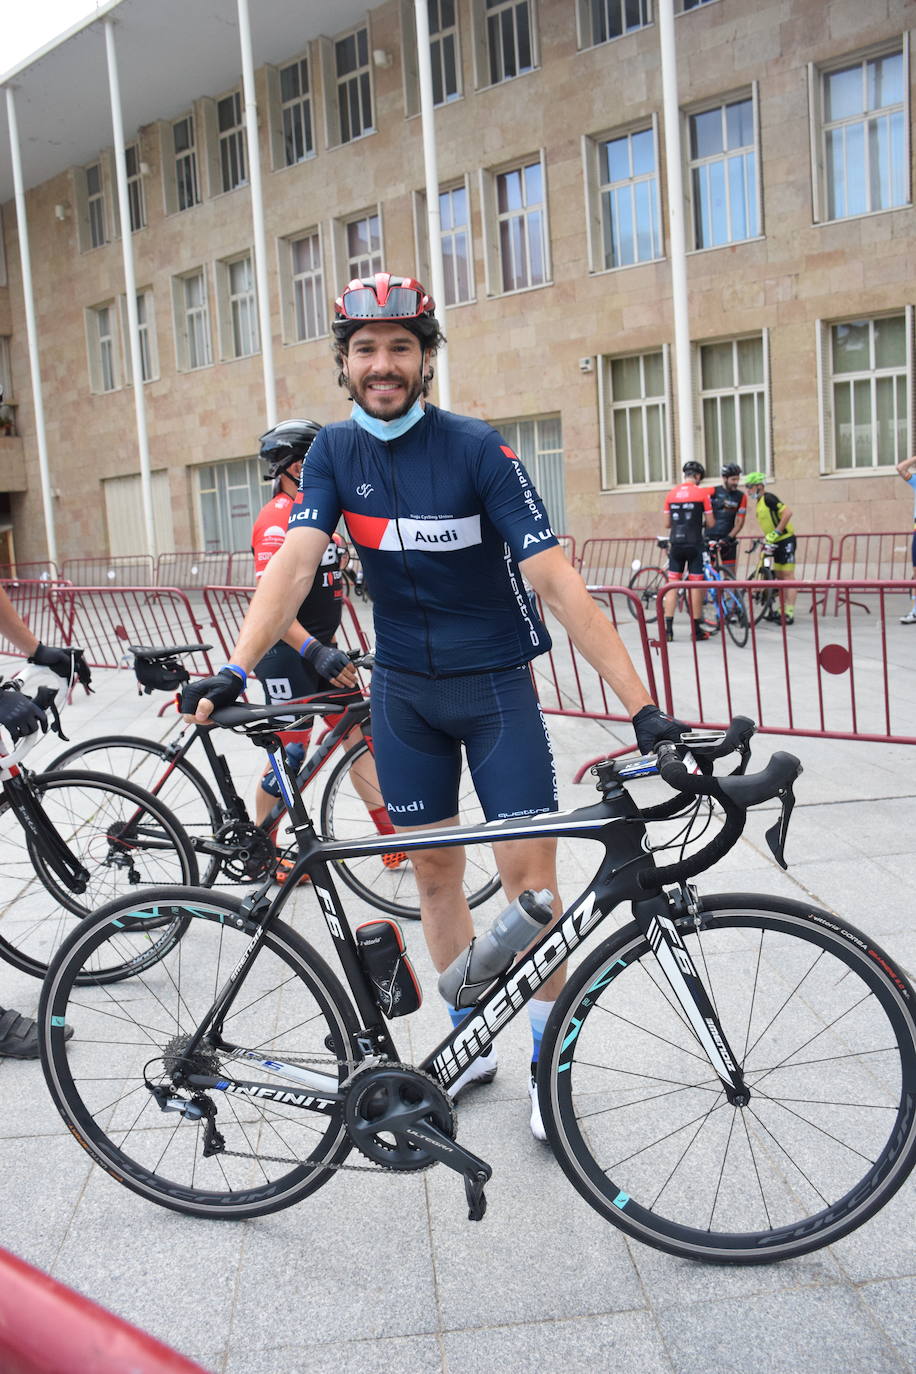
(387, 429)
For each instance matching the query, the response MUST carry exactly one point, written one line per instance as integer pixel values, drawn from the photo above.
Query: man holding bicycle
(729, 509)
(688, 517)
(774, 517)
(19, 716)
(444, 515)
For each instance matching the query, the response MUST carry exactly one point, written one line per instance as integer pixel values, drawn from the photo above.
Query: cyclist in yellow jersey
(773, 517)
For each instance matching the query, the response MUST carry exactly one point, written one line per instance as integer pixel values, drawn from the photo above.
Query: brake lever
(776, 835)
(744, 750)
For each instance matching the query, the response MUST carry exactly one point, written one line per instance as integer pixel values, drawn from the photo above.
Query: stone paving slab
(376, 1273)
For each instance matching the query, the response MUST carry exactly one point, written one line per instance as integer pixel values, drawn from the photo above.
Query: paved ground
(382, 1273)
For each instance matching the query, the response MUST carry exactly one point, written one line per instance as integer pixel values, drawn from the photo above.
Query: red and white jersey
(320, 611)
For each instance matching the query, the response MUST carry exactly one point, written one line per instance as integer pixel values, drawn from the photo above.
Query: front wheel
(646, 582)
(344, 816)
(733, 610)
(255, 1139)
(823, 1025)
(764, 599)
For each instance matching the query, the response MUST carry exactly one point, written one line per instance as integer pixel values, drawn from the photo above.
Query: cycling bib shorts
(785, 553)
(418, 726)
(685, 560)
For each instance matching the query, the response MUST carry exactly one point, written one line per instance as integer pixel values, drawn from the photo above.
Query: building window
(864, 136)
(296, 112)
(505, 39)
(363, 246)
(135, 200)
(238, 309)
(192, 315)
(103, 358)
(306, 295)
(631, 229)
(602, 20)
(95, 205)
(187, 189)
(354, 94)
(455, 225)
(443, 50)
(539, 443)
(229, 497)
(149, 361)
(520, 211)
(867, 392)
(231, 134)
(723, 173)
(733, 391)
(635, 413)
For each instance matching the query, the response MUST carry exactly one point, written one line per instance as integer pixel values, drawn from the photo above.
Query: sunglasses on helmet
(384, 298)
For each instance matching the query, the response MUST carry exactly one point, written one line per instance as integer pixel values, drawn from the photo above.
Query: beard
(379, 411)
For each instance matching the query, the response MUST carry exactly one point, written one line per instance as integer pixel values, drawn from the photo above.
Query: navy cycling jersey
(442, 516)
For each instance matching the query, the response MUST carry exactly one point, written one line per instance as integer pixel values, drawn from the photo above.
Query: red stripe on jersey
(508, 452)
(368, 530)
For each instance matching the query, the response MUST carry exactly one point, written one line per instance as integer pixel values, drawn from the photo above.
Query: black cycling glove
(20, 715)
(652, 726)
(327, 662)
(222, 690)
(66, 663)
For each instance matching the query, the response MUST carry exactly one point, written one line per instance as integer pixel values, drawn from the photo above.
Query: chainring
(255, 856)
(383, 1102)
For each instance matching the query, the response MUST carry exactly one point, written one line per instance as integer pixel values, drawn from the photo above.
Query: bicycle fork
(654, 916)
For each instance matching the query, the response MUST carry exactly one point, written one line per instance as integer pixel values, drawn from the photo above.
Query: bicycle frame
(614, 822)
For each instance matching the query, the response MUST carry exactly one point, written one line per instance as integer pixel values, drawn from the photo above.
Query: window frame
(585, 40)
(826, 378)
(96, 352)
(136, 198)
(607, 454)
(764, 463)
(536, 470)
(342, 258)
(421, 235)
(181, 313)
(721, 102)
(481, 45)
(147, 331)
(231, 138)
(278, 108)
(493, 270)
(411, 73)
(817, 130)
(190, 157)
(288, 278)
(331, 85)
(594, 209)
(232, 306)
(221, 496)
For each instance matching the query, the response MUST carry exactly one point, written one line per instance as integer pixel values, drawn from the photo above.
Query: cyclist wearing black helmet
(443, 514)
(729, 508)
(688, 515)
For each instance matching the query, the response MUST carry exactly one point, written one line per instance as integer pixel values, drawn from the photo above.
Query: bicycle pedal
(396, 860)
(284, 869)
(474, 1184)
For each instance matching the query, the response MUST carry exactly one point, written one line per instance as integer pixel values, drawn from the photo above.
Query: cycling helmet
(385, 297)
(286, 444)
(731, 470)
(755, 479)
(696, 470)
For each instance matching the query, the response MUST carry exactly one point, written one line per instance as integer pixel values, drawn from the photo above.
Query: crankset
(400, 1117)
(247, 852)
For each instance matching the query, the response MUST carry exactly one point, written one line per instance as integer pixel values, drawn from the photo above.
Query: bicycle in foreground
(730, 1078)
(726, 605)
(230, 846)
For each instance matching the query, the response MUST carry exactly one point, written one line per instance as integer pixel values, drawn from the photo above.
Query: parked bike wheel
(176, 783)
(823, 1026)
(646, 581)
(123, 838)
(764, 600)
(114, 1083)
(344, 817)
(733, 610)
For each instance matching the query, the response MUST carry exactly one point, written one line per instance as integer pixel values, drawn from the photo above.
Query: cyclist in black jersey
(729, 509)
(444, 516)
(688, 518)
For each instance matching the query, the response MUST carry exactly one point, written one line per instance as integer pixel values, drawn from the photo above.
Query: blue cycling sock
(538, 1013)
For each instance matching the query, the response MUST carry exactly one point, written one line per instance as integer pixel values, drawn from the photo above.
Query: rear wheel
(764, 599)
(733, 610)
(344, 816)
(646, 582)
(822, 1024)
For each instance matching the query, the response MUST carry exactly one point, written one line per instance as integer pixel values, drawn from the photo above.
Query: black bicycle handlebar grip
(781, 770)
(739, 732)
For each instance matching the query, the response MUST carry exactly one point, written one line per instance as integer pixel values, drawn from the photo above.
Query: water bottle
(467, 978)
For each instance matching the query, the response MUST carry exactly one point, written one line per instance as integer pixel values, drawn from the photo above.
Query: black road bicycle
(230, 847)
(730, 1078)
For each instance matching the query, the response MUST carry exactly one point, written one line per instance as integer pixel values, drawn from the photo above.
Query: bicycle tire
(177, 783)
(812, 1155)
(343, 816)
(733, 610)
(291, 1004)
(647, 582)
(762, 601)
(89, 811)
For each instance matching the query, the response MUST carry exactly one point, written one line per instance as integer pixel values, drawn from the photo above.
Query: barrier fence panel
(241, 568)
(814, 555)
(568, 685)
(882, 554)
(226, 608)
(195, 569)
(42, 571)
(123, 571)
(104, 620)
(568, 545)
(830, 676)
(32, 603)
(609, 562)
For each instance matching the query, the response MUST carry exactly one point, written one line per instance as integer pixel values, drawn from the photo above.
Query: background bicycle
(723, 606)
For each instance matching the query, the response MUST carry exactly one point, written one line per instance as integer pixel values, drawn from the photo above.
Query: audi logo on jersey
(426, 536)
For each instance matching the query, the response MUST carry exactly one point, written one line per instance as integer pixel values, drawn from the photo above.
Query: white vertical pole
(257, 216)
(31, 328)
(130, 288)
(677, 236)
(427, 121)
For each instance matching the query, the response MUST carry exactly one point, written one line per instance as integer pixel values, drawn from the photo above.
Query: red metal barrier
(568, 685)
(814, 555)
(568, 545)
(123, 571)
(240, 572)
(609, 562)
(103, 620)
(826, 676)
(883, 554)
(32, 603)
(227, 606)
(193, 569)
(47, 1328)
(42, 571)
